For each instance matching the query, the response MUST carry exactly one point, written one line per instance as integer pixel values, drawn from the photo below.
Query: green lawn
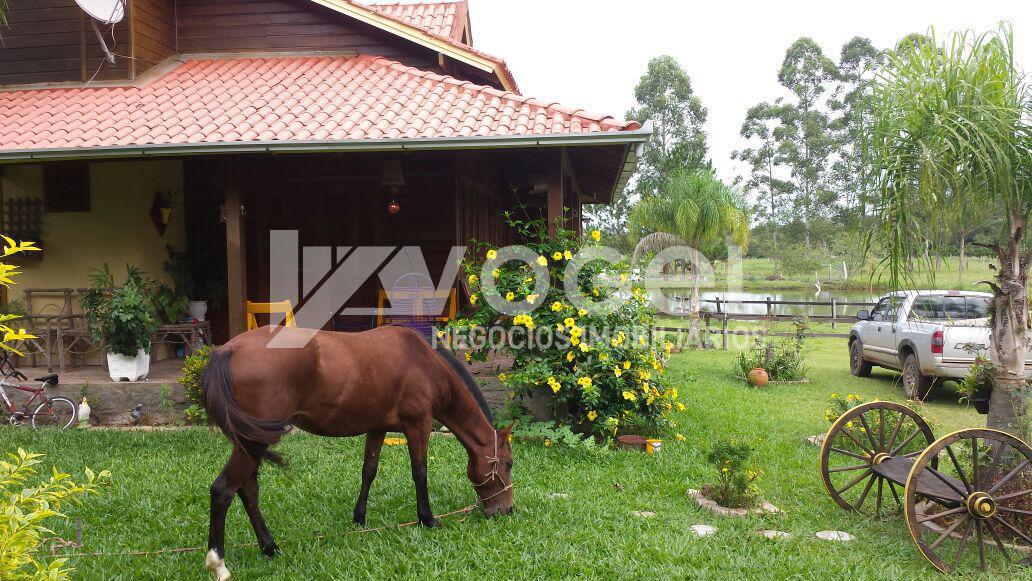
(159, 498)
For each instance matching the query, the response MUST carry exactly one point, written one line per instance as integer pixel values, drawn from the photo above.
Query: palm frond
(654, 243)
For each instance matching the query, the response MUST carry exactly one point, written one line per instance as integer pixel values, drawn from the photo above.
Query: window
(961, 308)
(66, 187)
(880, 310)
(928, 308)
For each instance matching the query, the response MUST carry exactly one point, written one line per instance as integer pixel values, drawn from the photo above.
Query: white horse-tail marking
(217, 566)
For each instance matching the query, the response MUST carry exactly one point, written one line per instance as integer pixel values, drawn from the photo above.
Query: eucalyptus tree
(693, 209)
(771, 191)
(950, 121)
(664, 96)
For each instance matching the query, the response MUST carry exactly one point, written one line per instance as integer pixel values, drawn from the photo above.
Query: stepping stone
(556, 495)
(703, 530)
(816, 440)
(644, 513)
(771, 534)
(835, 536)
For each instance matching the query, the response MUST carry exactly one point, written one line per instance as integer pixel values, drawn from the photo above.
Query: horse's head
(491, 475)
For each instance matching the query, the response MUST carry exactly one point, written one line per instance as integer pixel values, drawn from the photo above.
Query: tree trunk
(693, 300)
(1008, 407)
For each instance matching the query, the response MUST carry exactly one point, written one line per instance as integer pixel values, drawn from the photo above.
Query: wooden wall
(154, 33)
(51, 41)
(285, 25)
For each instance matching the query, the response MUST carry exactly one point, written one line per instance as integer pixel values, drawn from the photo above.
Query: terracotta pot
(758, 377)
(633, 442)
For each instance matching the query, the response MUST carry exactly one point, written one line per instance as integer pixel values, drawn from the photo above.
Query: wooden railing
(722, 315)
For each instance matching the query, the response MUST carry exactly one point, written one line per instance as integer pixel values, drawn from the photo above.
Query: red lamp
(392, 178)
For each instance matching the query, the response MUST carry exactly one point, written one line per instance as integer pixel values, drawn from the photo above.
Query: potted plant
(124, 318)
(200, 278)
(164, 200)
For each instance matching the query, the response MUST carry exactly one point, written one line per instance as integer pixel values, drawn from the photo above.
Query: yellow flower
(473, 299)
(585, 347)
(576, 331)
(574, 341)
(492, 254)
(548, 442)
(623, 277)
(630, 396)
(569, 356)
(554, 384)
(584, 382)
(570, 322)
(834, 396)
(440, 333)
(582, 312)
(473, 279)
(626, 364)
(617, 371)
(596, 235)
(531, 298)
(680, 438)
(557, 255)
(680, 406)
(495, 273)
(592, 415)
(469, 356)
(501, 376)
(509, 296)
(542, 261)
(557, 306)
(568, 255)
(559, 327)
(603, 357)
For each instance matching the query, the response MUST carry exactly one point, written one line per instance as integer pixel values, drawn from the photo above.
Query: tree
(693, 209)
(859, 61)
(950, 122)
(664, 96)
(771, 191)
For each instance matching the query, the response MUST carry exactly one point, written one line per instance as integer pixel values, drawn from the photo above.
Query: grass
(755, 273)
(159, 498)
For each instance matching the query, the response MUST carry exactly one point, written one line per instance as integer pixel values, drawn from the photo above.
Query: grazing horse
(344, 384)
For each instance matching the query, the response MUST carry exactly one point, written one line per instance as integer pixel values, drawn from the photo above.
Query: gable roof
(446, 19)
(278, 103)
(442, 44)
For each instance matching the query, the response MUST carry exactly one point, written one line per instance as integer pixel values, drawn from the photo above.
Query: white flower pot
(122, 368)
(197, 309)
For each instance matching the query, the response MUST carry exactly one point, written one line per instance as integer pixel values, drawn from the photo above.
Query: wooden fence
(722, 315)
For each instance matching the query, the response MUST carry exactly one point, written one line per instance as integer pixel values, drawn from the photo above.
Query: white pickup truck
(926, 335)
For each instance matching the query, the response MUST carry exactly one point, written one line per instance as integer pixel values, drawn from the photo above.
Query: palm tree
(692, 209)
(950, 125)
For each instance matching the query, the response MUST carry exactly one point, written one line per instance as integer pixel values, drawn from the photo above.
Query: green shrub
(193, 368)
(734, 487)
(839, 405)
(781, 357)
(123, 316)
(603, 371)
(25, 510)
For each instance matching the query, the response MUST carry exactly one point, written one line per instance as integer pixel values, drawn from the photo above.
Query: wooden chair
(414, 303)
(278, 308)
(73, 334)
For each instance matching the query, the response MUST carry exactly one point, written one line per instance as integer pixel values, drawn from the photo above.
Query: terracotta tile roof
(440, 18)
(280, 100)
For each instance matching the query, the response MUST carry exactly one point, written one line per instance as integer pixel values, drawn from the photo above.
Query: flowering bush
(193, 368)
(839, 405)
(734, 487)
(586, 340)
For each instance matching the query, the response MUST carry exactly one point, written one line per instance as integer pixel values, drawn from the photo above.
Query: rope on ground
(171, 551)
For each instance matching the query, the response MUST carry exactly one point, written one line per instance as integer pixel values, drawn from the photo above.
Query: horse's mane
(468, 380)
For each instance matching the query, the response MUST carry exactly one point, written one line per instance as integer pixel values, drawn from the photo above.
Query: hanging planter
(161, 210)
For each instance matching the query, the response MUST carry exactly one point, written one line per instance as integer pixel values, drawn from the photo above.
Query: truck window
(880, 310)
(959, 308)
(928, 308)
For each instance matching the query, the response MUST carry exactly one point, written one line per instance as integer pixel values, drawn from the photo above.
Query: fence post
(834, 313)
(706, 335)
(718, 305)
(723, 332)
(770, 311)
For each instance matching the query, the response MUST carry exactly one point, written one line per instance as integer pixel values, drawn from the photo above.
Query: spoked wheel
(862, 438)
(57, 413)
(975, 510)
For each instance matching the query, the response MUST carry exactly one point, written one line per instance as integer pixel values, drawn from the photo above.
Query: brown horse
(344, 384)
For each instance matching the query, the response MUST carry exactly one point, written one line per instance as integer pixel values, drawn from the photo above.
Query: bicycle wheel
(57, 412)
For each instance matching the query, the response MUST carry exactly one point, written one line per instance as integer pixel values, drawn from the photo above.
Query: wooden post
(770, 310)
(834, 313)
(707, 334)
(723, 333)
(236, 262)
(555, 190)
(718, 305)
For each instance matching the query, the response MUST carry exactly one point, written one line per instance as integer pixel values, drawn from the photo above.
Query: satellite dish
(106, 11)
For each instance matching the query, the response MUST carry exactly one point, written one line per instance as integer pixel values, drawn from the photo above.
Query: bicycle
(51, 412)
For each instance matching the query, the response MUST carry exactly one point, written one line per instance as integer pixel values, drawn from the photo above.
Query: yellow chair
(417, 299)
(279, 308)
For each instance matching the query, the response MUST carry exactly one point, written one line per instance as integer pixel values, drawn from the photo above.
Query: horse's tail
(252, 434)
(467, 378)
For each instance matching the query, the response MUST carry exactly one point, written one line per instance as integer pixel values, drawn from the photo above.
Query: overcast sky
(590, 53)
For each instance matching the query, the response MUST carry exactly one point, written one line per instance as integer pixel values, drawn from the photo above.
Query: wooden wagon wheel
(981, 495)
(862, 438)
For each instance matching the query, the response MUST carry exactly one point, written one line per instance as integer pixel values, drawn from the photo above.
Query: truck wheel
(915, 384)
(858, 366)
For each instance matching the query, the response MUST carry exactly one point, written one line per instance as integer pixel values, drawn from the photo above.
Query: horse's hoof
(271, 550)
(433, 523)
(217, 566)
(359, 519)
